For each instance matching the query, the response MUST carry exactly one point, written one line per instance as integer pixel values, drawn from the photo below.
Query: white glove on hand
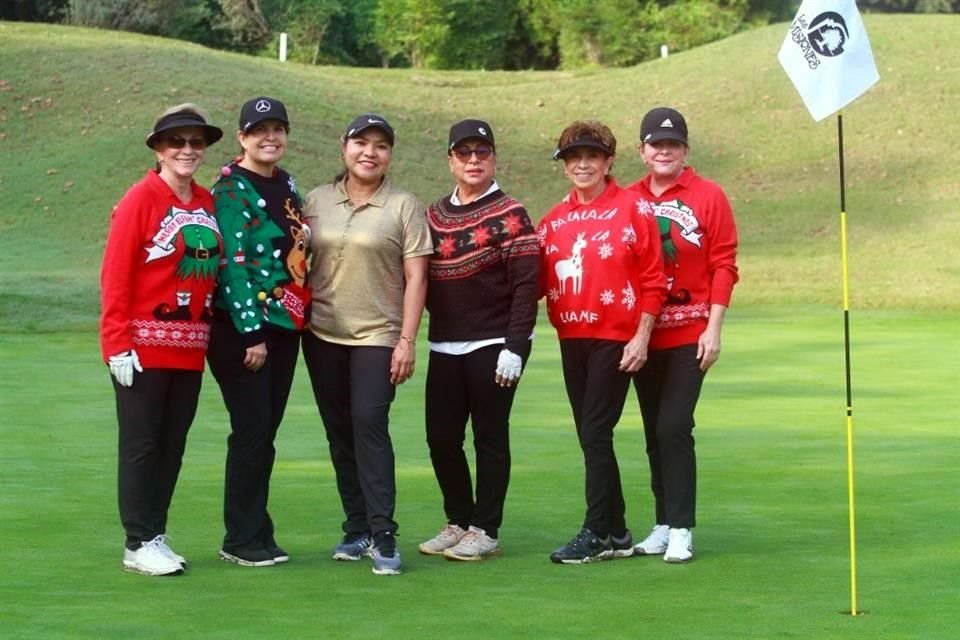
(122, 366)
(509, 367)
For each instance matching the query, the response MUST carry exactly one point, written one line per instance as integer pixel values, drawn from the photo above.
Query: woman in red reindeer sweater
(157, 281)
(601, 273)
(700, 259)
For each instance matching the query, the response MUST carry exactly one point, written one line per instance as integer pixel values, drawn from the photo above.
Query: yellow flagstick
(854, 611)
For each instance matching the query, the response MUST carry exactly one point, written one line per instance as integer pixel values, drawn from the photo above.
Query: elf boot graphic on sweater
(182, 312)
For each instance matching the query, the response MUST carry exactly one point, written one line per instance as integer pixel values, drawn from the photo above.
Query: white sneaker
(151, 560)
(680, 547)
(161, 541)
(448, 537)
(655, 543)
(474, 545)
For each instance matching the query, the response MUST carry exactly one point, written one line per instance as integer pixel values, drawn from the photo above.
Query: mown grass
(772, 539)
(75, 106)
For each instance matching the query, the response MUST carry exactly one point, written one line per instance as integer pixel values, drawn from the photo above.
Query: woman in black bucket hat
(157, 280)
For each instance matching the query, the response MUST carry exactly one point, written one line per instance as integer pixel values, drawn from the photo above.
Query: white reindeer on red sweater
(572, 267)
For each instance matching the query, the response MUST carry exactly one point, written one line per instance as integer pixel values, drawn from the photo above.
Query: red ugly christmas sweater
(158, 276)
(600, 265)
(699, 238)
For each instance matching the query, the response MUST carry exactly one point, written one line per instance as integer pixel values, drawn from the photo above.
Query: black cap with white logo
(255, 111)
(363, 122)
(663, 123)
(467, 129)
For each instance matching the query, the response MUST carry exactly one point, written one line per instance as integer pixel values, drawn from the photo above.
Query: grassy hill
(76, 104)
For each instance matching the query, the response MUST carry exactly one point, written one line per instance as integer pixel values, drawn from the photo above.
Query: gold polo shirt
(357, 272)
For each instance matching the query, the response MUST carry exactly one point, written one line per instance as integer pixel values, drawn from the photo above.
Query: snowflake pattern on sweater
(484, 271)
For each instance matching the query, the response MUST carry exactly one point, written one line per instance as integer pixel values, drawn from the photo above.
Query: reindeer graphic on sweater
(572, 267)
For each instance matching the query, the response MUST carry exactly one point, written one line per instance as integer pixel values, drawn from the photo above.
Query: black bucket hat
(185, 118)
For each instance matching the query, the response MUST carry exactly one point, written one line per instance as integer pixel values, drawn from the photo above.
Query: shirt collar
(378, 199)
(455, 196)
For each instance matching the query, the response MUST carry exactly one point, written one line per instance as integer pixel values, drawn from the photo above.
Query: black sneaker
(386, 558)
(279, 555)
(248, 556)
(586, 546)
(621, 547)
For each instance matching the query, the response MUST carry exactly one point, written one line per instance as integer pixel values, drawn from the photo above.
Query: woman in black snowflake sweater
(482, 298)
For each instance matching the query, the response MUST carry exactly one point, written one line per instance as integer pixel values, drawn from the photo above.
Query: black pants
(597, 391)
(353, 392)
(255, 401)
(154, 416)
(461, 387)
(668, 388)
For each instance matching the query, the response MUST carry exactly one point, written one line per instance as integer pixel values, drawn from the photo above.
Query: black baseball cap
(663, 123)
(467, 129)
(365, 121)
(183, 118)
(255, 111)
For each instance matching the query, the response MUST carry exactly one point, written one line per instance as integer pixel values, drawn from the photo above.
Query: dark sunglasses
(176, 142)
(463, 153)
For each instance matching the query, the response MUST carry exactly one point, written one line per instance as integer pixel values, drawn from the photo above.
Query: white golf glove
(509, 367)
(123, 365)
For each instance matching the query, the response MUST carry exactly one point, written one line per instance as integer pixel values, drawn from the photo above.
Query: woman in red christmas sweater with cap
(699, 239)
(157, 282)
(601, 273)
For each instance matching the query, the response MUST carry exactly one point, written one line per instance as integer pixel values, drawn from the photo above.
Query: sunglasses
(482, 152)
(176, 142)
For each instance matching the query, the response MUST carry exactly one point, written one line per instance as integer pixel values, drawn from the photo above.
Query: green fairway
(772, 543)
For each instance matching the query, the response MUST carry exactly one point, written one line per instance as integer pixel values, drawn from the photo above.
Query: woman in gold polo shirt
(369, 281)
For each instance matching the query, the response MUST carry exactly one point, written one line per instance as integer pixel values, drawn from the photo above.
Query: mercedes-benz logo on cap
(263, 106)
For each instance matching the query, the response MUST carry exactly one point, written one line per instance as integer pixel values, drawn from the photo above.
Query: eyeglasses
(482, 152)
(176, 142)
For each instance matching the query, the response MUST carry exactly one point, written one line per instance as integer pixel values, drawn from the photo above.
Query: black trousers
(154, 416)
(256, 401)
(462, 387)
(668, 388)
(352, 388)
(597, 391)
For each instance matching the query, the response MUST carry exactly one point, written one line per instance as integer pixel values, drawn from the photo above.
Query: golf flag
(827, 55)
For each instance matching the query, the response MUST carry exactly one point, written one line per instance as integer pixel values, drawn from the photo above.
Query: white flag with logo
(827, 55)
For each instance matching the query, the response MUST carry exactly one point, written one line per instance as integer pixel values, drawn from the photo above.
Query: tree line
(441, 34)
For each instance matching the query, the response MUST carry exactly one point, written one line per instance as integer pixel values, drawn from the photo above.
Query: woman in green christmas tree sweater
(259, 313)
